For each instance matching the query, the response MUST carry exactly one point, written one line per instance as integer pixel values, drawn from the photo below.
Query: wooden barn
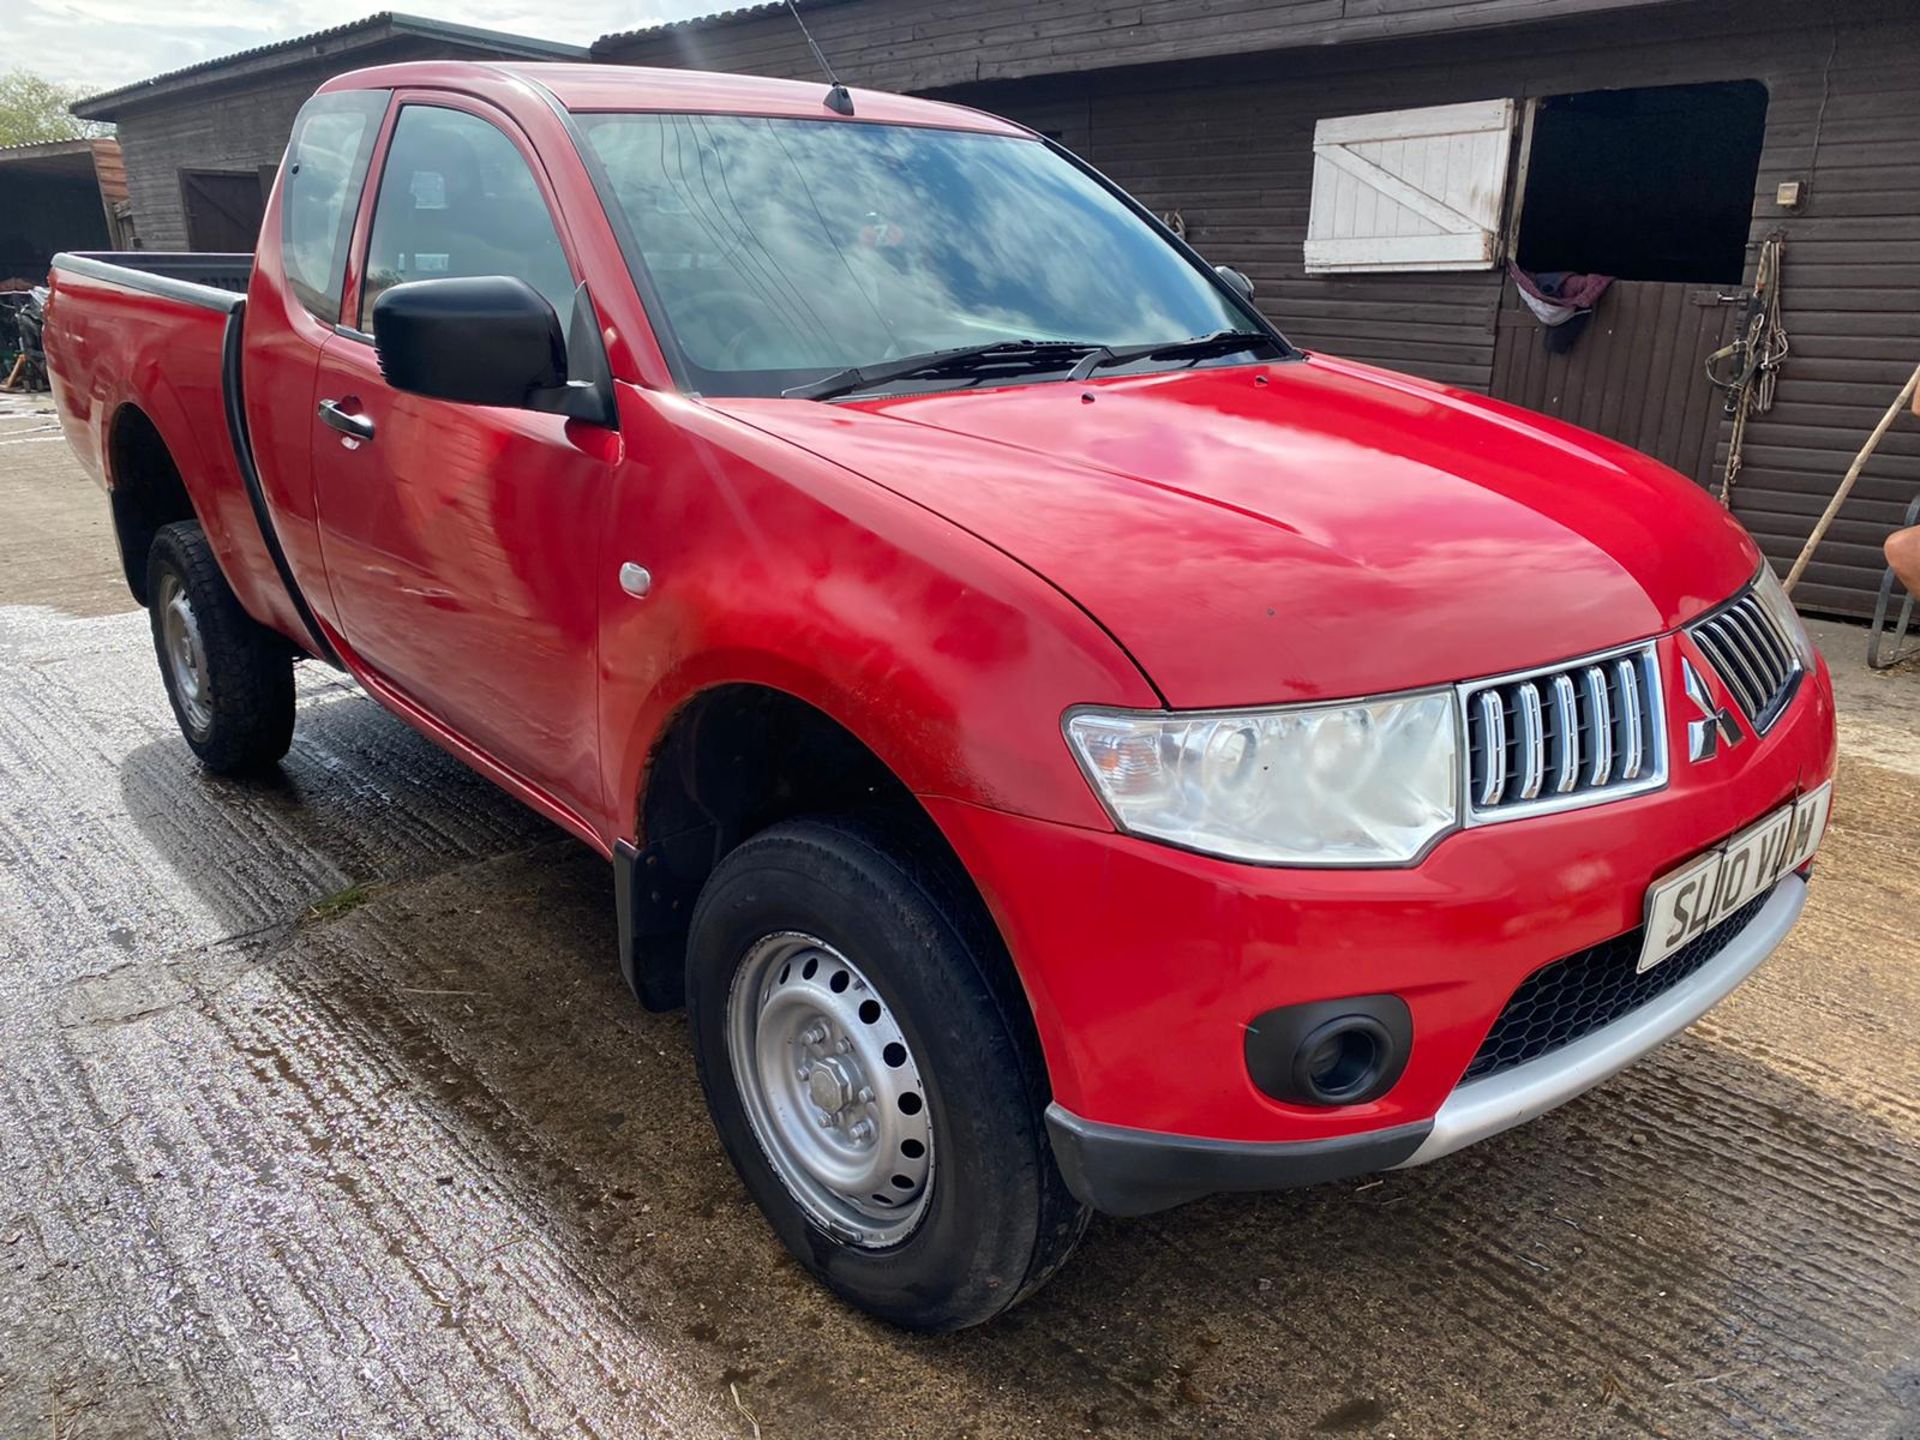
(60, 195)
(202, 144)
(1375, 164)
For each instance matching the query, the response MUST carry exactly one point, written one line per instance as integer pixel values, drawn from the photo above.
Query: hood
(1310, 529)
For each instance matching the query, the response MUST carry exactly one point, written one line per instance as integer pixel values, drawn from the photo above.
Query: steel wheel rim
(185, 653)
(831, 1088)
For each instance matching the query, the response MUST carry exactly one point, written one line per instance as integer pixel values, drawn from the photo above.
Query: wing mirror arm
(587, 393)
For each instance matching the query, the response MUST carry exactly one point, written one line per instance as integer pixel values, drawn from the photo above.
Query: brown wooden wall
(913, 45)
(235, 126)
(1638, 374)
(1228, 143)
(240, 130)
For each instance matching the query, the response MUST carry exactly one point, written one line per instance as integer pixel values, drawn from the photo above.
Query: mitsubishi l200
(1066, 747)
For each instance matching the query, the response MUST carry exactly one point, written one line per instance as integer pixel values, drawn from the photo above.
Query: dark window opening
(1653, 184)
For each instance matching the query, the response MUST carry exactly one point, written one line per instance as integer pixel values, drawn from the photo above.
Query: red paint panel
(1305, 530)
(462, 550)
(110, 348)
(771, 567)
(627, 87)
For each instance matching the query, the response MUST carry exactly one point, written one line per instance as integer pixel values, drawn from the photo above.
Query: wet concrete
(323, 1112)
(57, 552)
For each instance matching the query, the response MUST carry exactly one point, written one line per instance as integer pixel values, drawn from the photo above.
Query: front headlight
(1370, 783)
(1779, 606)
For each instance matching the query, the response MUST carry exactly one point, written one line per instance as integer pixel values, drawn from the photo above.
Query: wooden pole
(1853, 473)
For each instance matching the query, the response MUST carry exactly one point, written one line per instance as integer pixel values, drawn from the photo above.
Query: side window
(326, 165)
(457, 199)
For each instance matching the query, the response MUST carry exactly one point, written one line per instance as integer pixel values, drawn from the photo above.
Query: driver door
(461, 541)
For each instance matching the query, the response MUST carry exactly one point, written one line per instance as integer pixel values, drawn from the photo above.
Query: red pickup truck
(1067, 747)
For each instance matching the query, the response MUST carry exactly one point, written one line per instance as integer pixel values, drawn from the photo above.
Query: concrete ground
(323, 1112)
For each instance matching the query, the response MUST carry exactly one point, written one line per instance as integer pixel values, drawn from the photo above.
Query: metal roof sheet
(385, 24)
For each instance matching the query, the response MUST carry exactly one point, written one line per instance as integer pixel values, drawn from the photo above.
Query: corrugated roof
(32, 149)
(72, 159)
(702, 22)
(80, 159)
(100, 106)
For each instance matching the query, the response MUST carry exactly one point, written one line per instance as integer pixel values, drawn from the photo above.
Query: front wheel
(854, 1039)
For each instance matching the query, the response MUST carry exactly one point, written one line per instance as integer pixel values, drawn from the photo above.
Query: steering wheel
(730, 320)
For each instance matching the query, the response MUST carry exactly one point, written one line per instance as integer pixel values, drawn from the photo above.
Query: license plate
(1690, 901)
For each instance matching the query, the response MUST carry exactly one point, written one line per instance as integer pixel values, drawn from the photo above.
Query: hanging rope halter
(1748, 370)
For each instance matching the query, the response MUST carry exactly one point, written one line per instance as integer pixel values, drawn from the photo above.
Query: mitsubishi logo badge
(1717, 723)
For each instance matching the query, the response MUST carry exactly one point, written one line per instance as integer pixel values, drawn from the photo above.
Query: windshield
(780, 251)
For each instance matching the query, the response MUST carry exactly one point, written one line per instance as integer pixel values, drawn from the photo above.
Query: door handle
(355, 427)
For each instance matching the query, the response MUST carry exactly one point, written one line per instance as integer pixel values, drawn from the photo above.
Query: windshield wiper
(1221, 342)
(1045, 354)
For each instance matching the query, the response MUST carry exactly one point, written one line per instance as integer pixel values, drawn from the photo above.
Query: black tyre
(871, 1078)
(230, 679)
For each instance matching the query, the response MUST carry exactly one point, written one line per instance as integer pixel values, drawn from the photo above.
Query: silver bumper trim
(1481, 1108)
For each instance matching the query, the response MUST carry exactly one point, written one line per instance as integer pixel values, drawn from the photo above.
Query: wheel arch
(145, 489)
(734, 758)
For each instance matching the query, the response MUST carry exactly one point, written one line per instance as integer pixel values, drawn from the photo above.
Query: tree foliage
(34, 109)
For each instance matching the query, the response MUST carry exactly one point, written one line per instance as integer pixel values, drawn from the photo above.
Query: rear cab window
(327, 159)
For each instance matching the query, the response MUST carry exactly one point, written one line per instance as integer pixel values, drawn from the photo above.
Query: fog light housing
(1330, 1052)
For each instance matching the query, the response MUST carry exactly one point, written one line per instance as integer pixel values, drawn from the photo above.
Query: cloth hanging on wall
(1561, 300)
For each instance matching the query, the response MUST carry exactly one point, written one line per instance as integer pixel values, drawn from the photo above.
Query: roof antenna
(838, 100)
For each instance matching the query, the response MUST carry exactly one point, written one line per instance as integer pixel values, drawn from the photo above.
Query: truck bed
(159, 334)
(166, 272)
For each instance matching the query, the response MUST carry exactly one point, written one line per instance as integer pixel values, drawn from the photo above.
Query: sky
(103, 44)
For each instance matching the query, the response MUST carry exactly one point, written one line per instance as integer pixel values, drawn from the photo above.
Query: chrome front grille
(1746, 649)
(1564, 736)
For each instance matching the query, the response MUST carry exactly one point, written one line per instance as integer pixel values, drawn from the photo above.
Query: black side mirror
(492, 340)
(1237, 279)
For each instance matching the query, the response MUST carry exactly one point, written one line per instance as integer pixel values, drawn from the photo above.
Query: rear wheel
(867, 1076)
(229, 678)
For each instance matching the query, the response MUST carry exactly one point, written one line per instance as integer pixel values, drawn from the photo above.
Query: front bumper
(1135, 1172)
(1497, 1102)
(1144, 965)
